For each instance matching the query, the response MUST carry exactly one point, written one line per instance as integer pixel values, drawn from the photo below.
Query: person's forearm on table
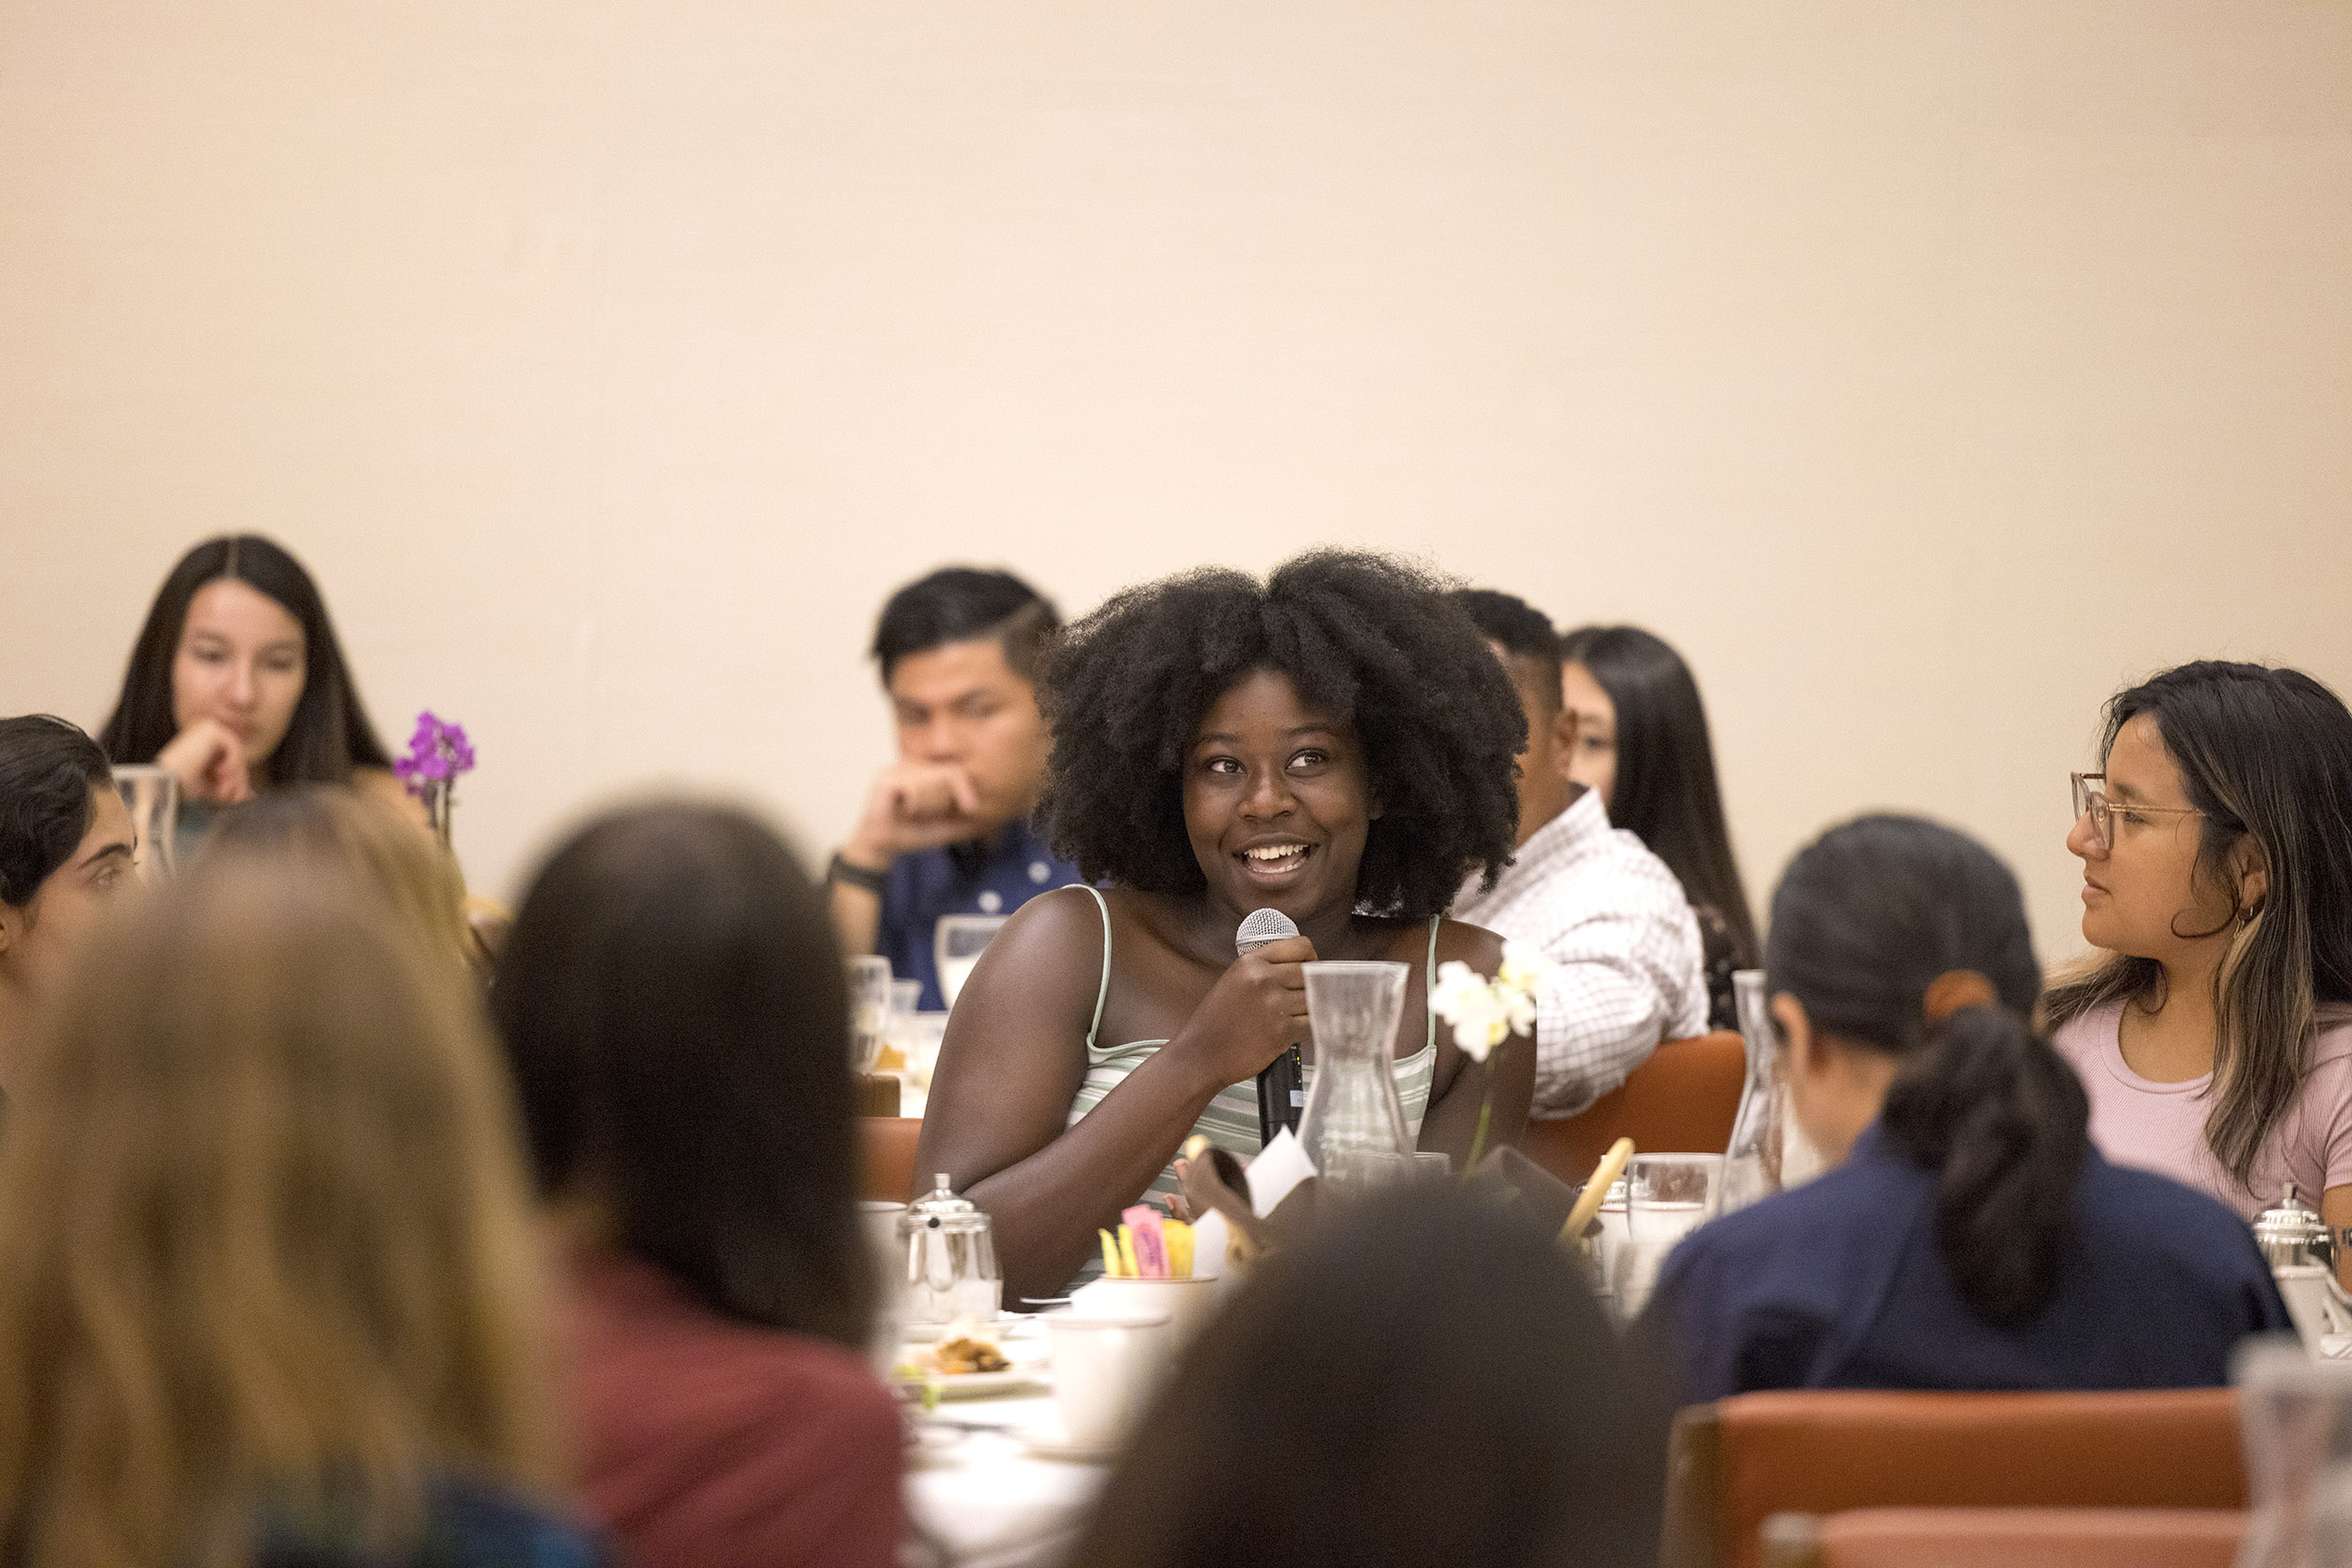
(1047, 1208)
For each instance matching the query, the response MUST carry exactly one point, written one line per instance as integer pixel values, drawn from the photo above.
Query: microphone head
(1261, 926)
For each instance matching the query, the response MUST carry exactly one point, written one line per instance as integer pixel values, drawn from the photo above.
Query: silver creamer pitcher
(950, 1252)
(2296, 1244)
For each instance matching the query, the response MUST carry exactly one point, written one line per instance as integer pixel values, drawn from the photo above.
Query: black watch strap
(856, 876)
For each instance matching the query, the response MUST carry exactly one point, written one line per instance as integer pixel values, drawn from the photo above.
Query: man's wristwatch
(840, 871)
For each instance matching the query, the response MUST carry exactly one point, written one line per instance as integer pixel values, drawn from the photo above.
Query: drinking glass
(1667, 1198)
(870, 1010)
(2295, 1416)
(957, 943)
(152, 797)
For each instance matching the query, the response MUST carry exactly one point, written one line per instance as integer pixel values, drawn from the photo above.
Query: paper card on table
(1280, 1166)
(1150, 1244)
(1179, 1237)
(1209, 1236)
(1127, 1253)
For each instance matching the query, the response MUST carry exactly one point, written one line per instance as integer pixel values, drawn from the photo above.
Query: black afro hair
(1366, 637)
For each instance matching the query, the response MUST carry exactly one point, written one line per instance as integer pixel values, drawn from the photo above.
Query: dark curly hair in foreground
(1366, 639)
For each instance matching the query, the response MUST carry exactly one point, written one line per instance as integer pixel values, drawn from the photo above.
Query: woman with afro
(1337, 743)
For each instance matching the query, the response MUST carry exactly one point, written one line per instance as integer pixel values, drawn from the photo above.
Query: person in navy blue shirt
(946, 827)
(1968, 1236)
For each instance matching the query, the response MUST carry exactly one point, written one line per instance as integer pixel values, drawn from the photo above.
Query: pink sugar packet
(1150, 1240)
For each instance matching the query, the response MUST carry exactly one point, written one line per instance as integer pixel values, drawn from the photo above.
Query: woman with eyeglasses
(2213, 1028)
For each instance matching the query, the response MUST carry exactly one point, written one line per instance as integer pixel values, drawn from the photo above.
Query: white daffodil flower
(1483, 1012)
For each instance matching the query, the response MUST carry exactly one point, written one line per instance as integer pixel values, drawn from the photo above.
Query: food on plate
(968, 1353)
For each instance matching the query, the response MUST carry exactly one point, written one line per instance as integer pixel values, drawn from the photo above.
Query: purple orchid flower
(437, 751)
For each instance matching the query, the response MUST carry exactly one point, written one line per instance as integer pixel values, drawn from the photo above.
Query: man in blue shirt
(945, 828)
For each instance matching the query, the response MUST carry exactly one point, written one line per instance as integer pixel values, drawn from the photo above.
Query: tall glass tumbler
(870, 1010)
(1667, 1197)
(1353, 1125)
(2295, 1418)
(957, 943)
(151, 794)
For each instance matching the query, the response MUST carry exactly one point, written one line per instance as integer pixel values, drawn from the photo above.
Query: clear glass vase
(1752, 1161)
(1353, 1126)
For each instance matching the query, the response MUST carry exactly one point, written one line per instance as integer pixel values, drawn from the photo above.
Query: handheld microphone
(1281, 1086)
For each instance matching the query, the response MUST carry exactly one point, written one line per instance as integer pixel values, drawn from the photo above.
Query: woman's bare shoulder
(1474, 946)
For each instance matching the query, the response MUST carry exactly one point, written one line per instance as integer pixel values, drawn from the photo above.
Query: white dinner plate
(974, 1386)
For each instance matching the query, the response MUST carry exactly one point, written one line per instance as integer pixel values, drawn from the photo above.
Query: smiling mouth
(1269, 861)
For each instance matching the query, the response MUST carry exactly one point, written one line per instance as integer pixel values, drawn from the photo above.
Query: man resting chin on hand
(945, 829)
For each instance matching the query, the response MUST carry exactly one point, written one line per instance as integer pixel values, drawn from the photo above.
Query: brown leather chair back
(1826, 1450)
(2031, 1538)
(1679, 1101)
(886, 1152)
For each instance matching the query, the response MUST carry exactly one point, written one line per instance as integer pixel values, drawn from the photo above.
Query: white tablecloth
(981, 1499)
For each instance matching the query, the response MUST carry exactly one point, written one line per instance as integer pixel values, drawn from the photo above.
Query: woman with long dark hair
(676, 1014)
(1641, 744)
(2214, 1030)
(1968, 1236)
(237, 683)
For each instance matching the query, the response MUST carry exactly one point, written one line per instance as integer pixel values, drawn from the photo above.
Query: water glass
(2295, 1416)
(879, 1220)
(151, 794)
(870, 1010)
(957, 943)
(1667, 1198)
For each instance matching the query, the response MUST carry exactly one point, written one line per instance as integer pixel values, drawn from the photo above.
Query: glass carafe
(1353, 1126)
(1751, 1163)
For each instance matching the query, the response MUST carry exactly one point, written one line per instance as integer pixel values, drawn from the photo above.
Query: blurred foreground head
(264, 1244)
(674, 1009)
(1426, 1380)
(335, 831)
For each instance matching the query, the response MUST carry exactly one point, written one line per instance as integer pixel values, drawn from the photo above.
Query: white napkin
(1278, 1167)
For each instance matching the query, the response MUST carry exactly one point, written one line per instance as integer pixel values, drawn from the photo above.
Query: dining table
(987, 1485)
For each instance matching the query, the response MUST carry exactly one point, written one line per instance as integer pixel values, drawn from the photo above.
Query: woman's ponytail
(2003, 1122)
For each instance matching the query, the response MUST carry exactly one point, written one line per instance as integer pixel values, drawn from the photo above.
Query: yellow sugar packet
(1127, 1253)
(1178, 1236)
(1110, 1255)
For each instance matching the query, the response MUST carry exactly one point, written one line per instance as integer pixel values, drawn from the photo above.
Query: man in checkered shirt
(1626, 971)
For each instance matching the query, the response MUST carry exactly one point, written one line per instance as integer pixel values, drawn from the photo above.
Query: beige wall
(1922, 370)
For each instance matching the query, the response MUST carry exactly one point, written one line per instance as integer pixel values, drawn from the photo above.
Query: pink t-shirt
(2161, 1127)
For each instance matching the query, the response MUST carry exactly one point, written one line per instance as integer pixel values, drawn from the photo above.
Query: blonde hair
(264, 1244)
(339, 829)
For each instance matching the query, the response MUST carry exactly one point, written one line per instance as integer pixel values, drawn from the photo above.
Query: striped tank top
(1231, 1122)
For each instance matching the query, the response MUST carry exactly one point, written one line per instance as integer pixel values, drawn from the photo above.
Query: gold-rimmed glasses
(2090, 798)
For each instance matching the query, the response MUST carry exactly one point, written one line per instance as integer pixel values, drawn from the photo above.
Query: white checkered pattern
(1624, 946)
